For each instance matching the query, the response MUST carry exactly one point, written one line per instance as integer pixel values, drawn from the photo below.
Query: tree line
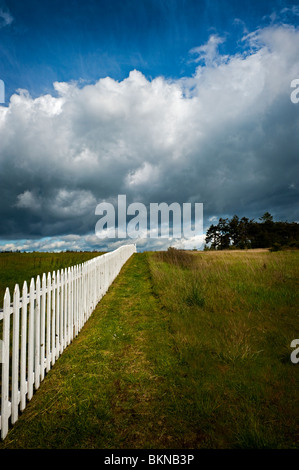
(243, 233)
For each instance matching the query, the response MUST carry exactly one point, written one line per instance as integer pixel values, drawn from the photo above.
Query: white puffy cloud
(226, 136)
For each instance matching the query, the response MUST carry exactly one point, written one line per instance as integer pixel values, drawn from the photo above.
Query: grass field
(15, 268)
(186, 350)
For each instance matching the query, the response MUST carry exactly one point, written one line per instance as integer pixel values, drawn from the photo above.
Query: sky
(185, 101)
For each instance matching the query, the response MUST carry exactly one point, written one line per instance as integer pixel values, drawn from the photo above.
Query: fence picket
(48, 332)
(53, 320)
(23, 381)
(37, 312)
(43, 327)
(57, 344)
(15, 355)
(31, 340)
(72, 304)
(61, 311)
(5, 366)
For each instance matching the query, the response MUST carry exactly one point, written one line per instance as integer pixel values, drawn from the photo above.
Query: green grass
(15, 268)
(186, 350)
(233, 317)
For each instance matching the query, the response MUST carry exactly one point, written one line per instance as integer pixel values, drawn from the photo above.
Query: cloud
(27, 200)
(227, 136)
(208, 53)
(5, 17)
(143, 175)
(283, 16)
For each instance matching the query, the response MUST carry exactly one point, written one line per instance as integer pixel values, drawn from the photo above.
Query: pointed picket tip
(44, 281)
(25, 287)
(16, 293)
(32, 283)
(16, 289)
(7, 296)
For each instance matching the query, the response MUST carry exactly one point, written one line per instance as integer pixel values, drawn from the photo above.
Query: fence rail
(39, 324)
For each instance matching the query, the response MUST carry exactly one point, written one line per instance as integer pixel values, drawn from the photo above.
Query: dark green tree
(245, 233)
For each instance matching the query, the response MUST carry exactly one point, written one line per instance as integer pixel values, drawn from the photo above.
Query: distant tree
(245, 233)
(234, 230)
(240, 232)
(266, 218)
(219, 235)
(224, 237)
(212, 236)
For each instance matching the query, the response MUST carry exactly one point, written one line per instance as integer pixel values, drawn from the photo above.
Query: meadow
(15, 268)
(186, 350)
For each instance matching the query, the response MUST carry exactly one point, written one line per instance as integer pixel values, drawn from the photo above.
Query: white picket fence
(44, 322)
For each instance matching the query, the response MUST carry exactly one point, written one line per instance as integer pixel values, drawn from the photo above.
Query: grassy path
(103, 391)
